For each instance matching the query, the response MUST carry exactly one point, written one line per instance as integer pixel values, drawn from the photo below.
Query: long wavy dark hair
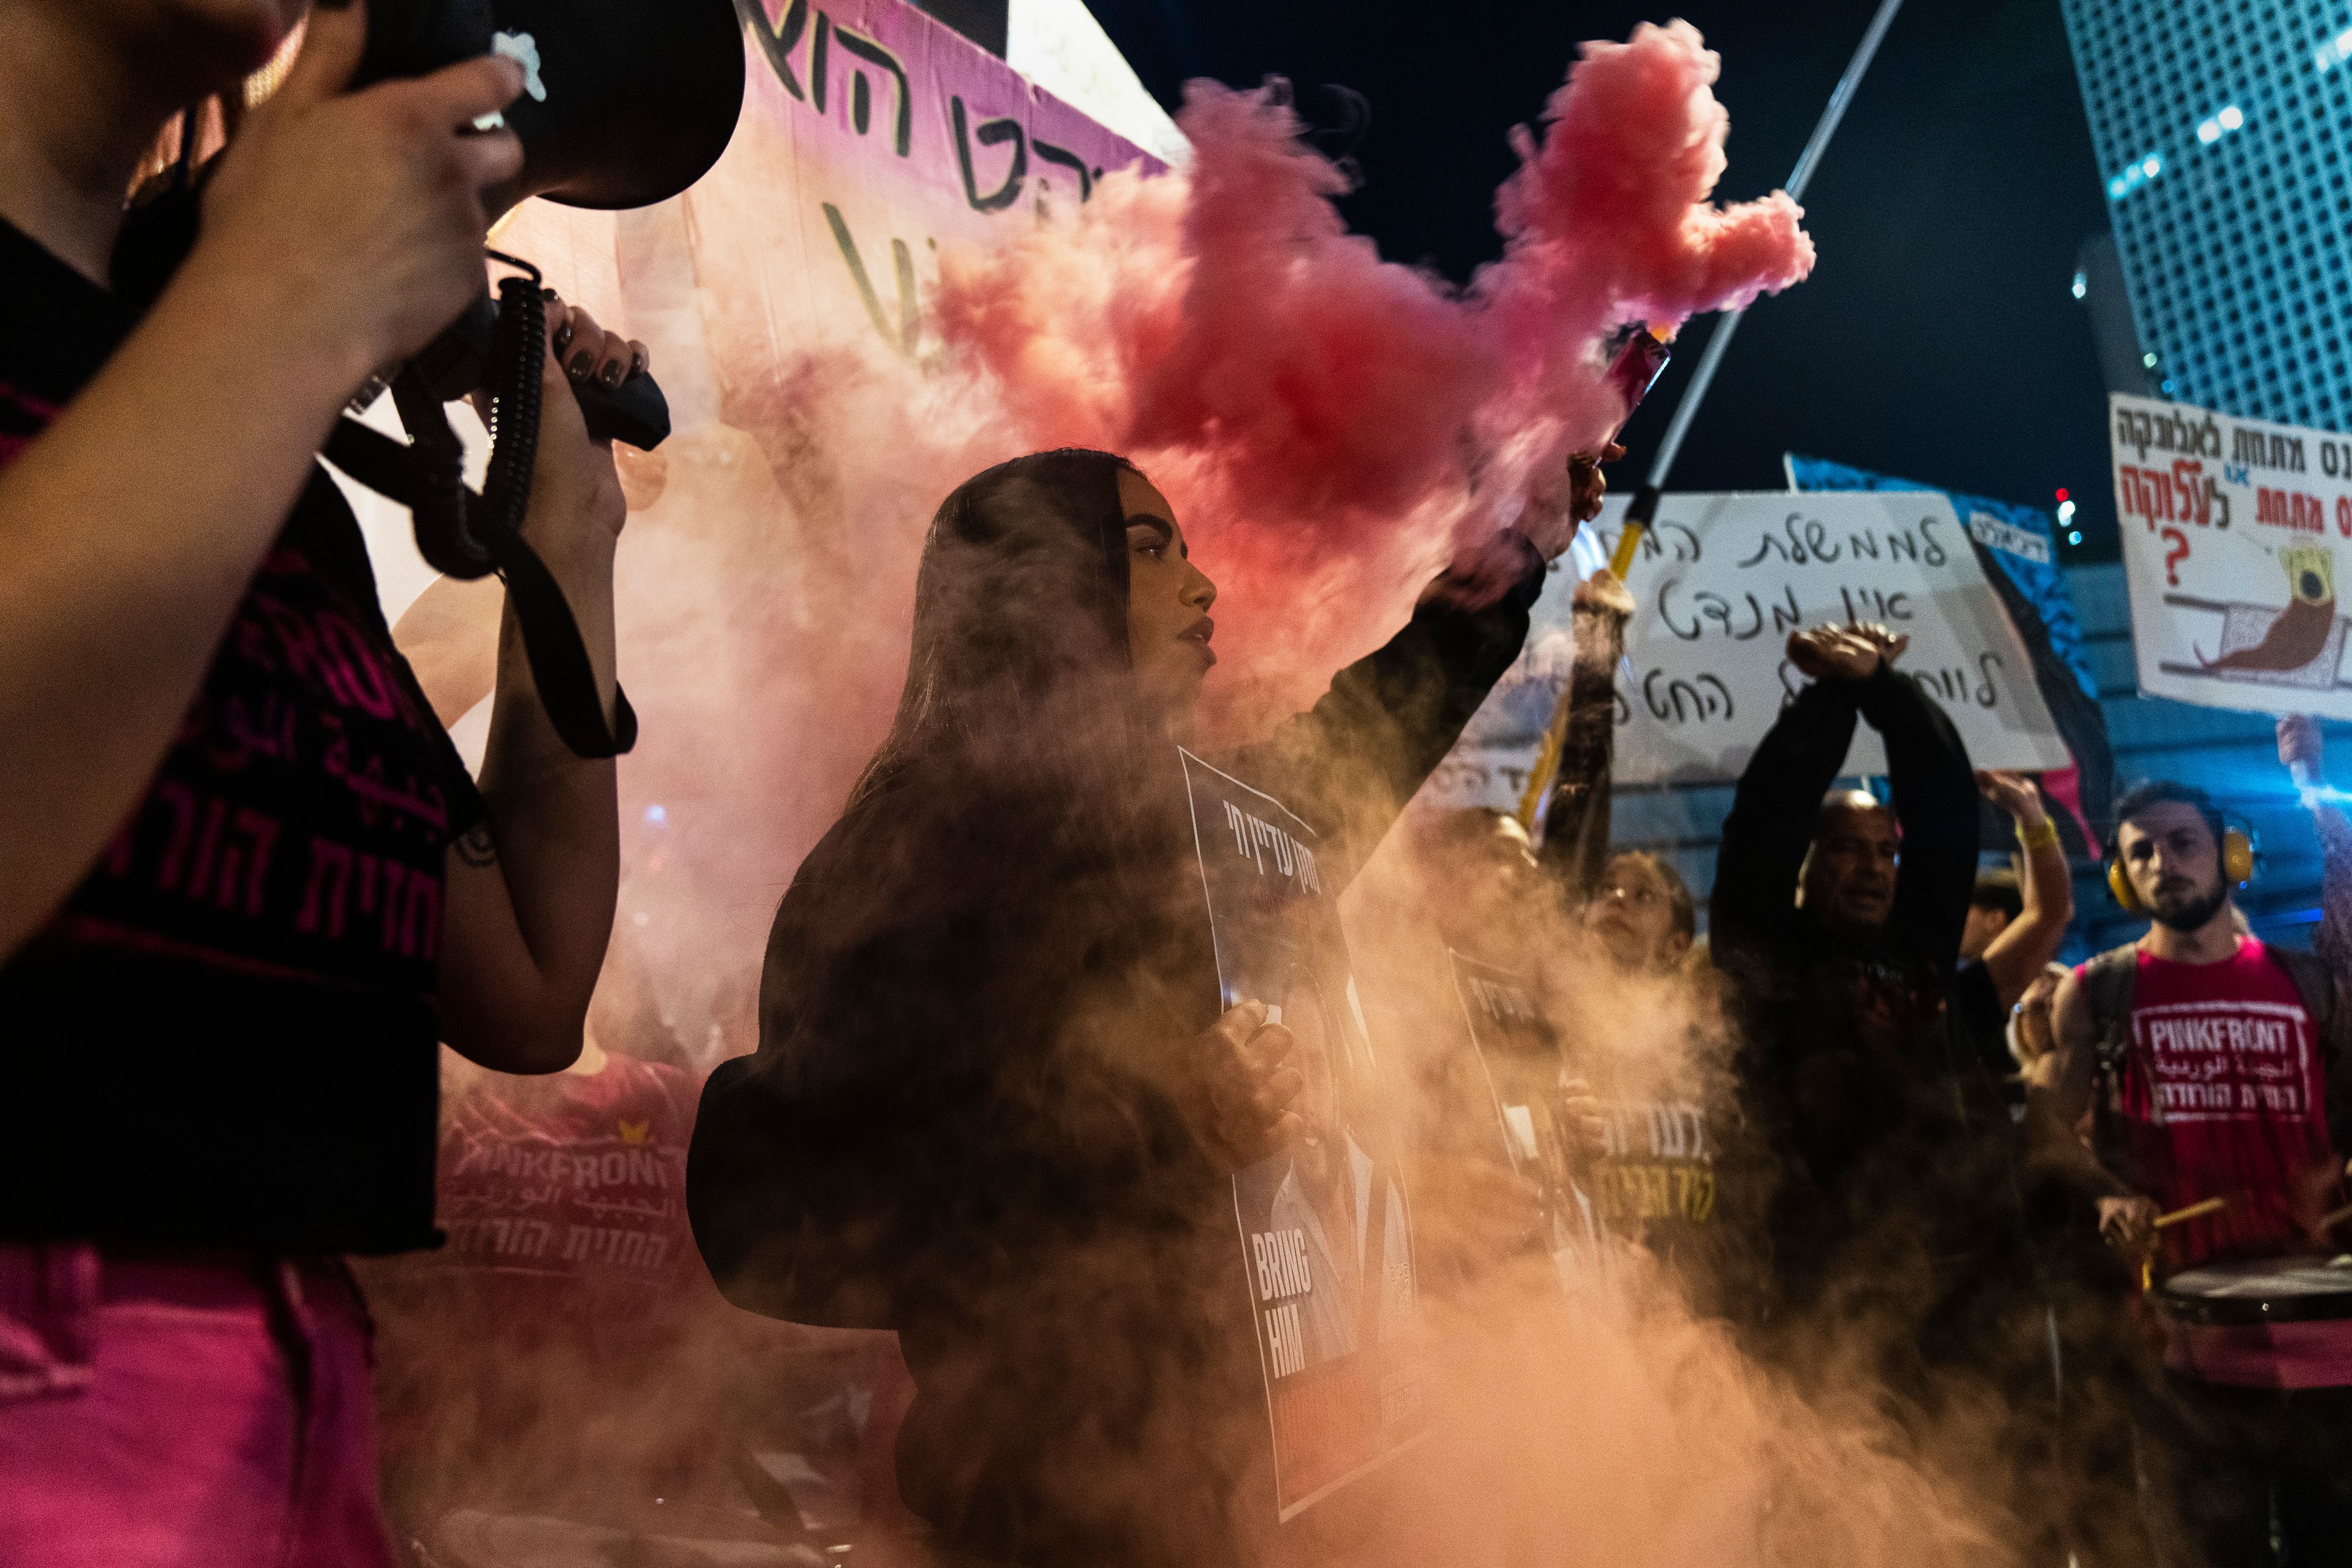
(1020, 665)
(985, 964)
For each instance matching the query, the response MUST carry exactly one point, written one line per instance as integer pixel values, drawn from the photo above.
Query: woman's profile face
(1168, 600)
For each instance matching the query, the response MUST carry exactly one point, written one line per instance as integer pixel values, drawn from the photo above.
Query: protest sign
(2231, 530)
(1720, 581)
(1518, 1050)
(1325, 1230)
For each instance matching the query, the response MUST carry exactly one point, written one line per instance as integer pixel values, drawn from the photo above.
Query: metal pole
(1644, 508)
(1645, 500)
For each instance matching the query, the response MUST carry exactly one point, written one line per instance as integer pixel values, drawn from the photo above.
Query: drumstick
(2197, 1210)
(2200, 1210)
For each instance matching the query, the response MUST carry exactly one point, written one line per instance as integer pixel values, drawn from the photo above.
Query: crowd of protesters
(951, 1252)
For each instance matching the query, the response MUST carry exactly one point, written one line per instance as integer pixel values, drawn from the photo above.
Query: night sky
(1937, 339)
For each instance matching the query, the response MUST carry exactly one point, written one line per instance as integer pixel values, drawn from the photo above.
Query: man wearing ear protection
(2214, 1068)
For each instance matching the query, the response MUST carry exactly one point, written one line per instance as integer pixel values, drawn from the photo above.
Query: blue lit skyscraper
(2225, 133)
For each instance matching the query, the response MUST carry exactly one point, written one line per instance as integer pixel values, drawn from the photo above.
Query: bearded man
(2212, 1066)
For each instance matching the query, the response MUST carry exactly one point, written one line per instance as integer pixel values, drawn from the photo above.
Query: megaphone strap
(558, 656)
(550, 637)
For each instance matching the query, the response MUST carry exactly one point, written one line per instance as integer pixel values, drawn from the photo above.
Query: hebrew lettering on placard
(1704, 673)
(990, 133)
(907, 335)
(860, 98)
(778, 40)
(1049, 153)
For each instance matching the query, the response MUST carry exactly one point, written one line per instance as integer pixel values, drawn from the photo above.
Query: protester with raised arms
(1893, 1229)
(993, 1107)
(1837, 922)
(245, 882)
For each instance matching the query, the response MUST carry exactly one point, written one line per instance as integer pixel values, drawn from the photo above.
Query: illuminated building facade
(2223, 130)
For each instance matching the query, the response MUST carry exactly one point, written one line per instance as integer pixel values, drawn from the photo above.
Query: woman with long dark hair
(995, 1105)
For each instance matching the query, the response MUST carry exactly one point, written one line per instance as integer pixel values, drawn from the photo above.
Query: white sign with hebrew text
(1720, 581)
(2230, 532)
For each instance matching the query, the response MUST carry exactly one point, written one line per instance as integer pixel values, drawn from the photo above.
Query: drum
(2260, 1290)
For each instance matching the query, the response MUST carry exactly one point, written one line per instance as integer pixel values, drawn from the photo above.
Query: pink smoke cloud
(1330, 423)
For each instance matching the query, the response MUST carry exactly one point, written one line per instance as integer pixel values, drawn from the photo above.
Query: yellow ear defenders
(2237, 868)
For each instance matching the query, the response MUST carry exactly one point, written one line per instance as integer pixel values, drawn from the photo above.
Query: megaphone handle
(634, 411)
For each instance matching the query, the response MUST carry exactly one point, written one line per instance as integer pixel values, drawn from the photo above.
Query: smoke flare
(1331, 423)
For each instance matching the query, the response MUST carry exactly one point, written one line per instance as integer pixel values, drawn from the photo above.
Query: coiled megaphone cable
(467, 536)
(452, 523)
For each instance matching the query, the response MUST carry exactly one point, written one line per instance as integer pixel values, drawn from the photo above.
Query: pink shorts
(183, 1411)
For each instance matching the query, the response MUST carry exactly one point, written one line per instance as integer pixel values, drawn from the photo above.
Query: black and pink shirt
(225, 1035)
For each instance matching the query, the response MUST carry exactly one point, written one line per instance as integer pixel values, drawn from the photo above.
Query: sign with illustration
(1325, 1229)
(1720, 581)
(2231, 533)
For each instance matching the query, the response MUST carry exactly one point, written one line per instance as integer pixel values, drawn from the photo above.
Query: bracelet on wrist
(2039, 835)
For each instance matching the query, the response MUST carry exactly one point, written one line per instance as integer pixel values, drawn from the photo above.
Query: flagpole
(1644, 508)
(1645, 500)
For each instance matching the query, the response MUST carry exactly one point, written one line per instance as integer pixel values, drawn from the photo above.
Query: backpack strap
(2108, 982)
(2312, 984)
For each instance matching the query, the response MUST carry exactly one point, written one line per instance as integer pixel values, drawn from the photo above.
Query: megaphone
(624, 103)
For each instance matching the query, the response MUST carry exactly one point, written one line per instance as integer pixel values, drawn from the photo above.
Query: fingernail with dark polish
(612, 376)
(582, 363)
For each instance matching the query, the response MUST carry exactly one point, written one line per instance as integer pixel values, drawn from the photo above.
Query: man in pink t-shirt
(2210, 1064)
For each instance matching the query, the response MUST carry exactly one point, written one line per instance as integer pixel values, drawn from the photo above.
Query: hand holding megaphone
(345, 225)
(360, 214)
(623, 103)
